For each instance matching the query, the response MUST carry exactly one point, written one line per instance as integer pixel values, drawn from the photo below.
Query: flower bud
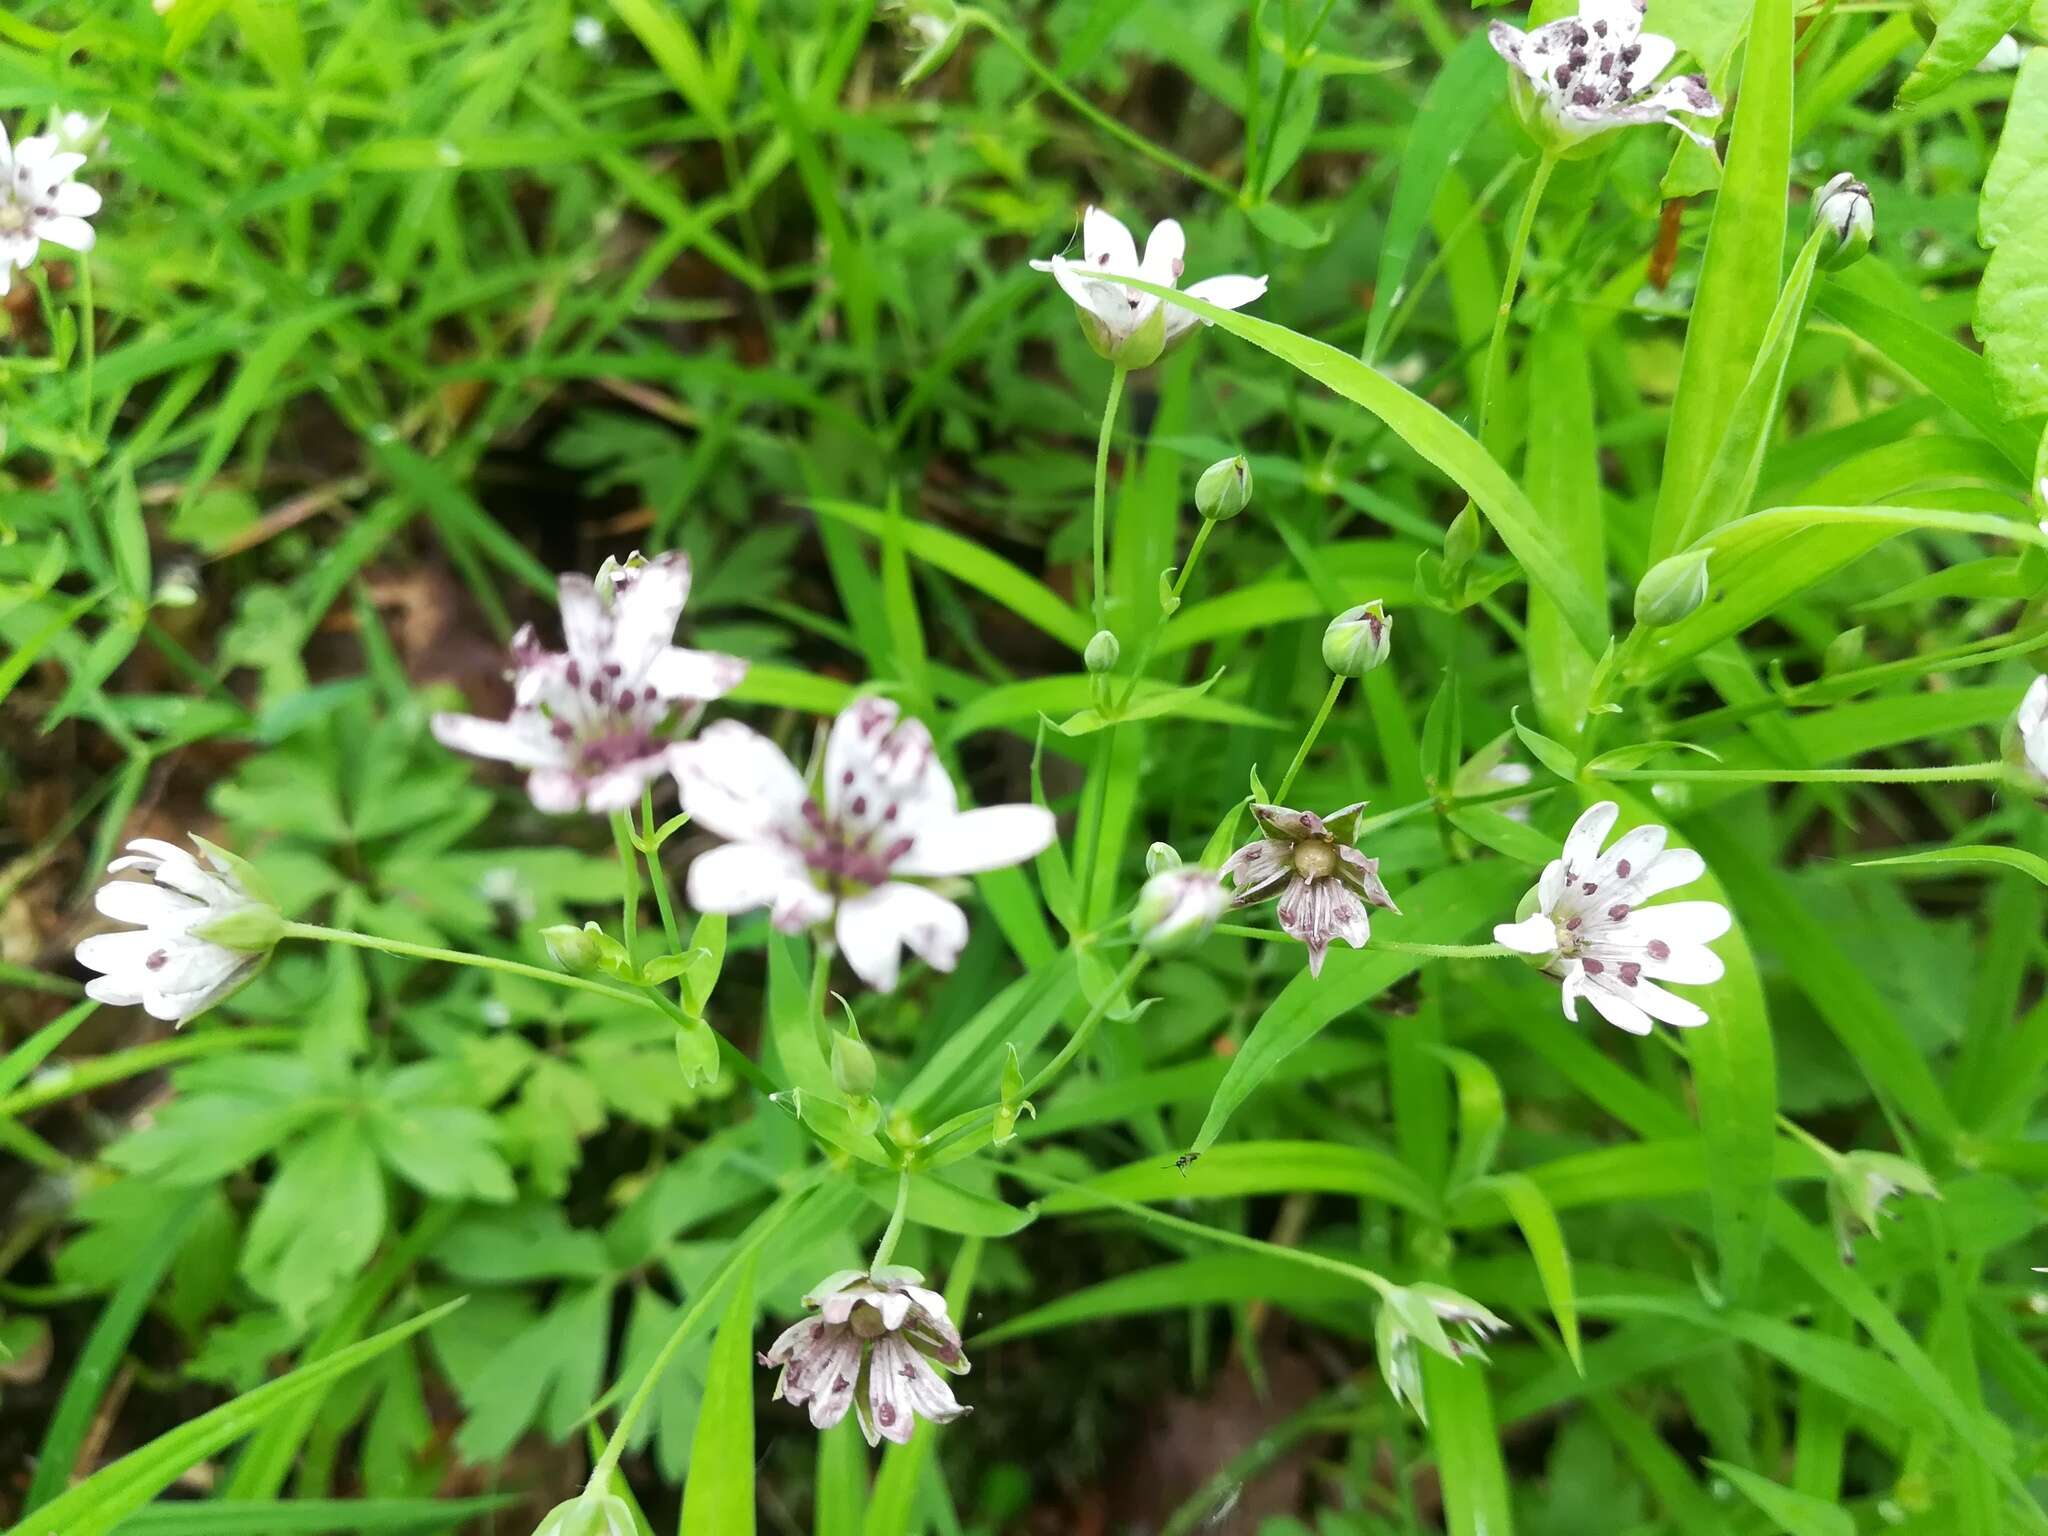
(594, 1514)
(1358, 640)
(1844, 209)
(1673, 589)
(1462, 540)
(1102, 653)
(853, 1065)
(1225, 489)
(1177, 908)
(574, 949)
(1160, 858)
(697, 1054)
(1860, 1184)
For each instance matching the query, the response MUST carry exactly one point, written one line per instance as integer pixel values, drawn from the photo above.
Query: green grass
(398, 310)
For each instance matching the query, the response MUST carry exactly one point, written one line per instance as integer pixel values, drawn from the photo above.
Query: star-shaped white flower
(2033, 726)
(40, 201)
(1122, 324)
(873, 1347)
(1597, 70)
(885, 816)
(597, 723)
(1598, 939)
(173, 963)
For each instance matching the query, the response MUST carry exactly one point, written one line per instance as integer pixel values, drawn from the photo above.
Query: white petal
(1680, 922)
(1654, 55)
(882, 772)
(647, 602)
(1617, 1009)
(619, 789)
(1507, 41)
(1582, 843)
(115, 991)
(1624, 19)
(75, 199)
(1106, 243)
(139, 901)
(1666, 1006)
(523, 740)
(1166, 250)
(1667, 872)
(1550, 886)
(738, 877)
(586, 629)
(994, 837)
(737, 782)
(889, 1402)
(35, 150)
(874, 927)
(144, 852)
(1227, 292)
(1105, 301)
(1258, 864)
(124, 954)
(72, 234)
(2034, 707)
(1692, 965)
(555, 791)
(676, 673)
(1534, 935)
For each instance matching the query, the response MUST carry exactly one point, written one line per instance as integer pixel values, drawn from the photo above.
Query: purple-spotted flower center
(1595, 72)
(853, 851)
(605, 724)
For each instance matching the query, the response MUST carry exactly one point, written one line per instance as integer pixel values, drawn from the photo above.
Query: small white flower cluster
(40, 197)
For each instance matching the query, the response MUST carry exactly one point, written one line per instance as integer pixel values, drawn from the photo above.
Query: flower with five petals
(1324, 883)
(1580, 76)
(1127, 327)
(876, 1346)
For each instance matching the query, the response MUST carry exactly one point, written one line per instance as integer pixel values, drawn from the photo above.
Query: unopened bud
(1225, 489)
(697, 1053)
(1462, 540)
(1673, 589)
(594, 1514)
(1358, 640)
(1159, 858)
(1844, 209)
(1102, 653)
(1177, 908)
(853, 1065)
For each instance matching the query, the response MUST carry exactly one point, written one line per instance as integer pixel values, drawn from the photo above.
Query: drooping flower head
(1586, 74)
(39, 200)
(204, 930)
(598, 721)
(1587, 923)
(1126, 326)
(2032, 724)
(1310, 862)
(876, 1346)
(1861, 1184)
(850, 849)
(1438, 1318)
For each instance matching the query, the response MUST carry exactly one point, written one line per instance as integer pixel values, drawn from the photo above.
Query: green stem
(1527, 222)
(482, 962)
(1308, 742)
(86, 339)
(98, 1071)
(1101, 547)
(664, 898)
(821, 976)
(894, 1230)
(1152, 639)
(1961, 773)
(629, 868)
(1094, 114)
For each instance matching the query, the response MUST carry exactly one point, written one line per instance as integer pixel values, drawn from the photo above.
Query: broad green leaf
(1536, 1217)
(1253, 1168)
(939, 1202)
(1965, 30)
(1563, 471)
(1467, 1444)
(2012, 303)
(718, 1500)
(1794, 1513)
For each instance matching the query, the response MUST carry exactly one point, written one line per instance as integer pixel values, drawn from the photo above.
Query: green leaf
(1207, 1280)
(1965, 31)
(675, 50)
(1150, 705)
(1253, 1168)
(1446, 908)
(320, 1219)
(940, 1203)
(1738, 283)
(95, 1506)
(1431, 434)
(2012, 302)
(304, 1517)
(718, 1500)
(1796, 1514)
(1978, 855)
(1482, 1113)
(1537, 1218)
(1467, 1444)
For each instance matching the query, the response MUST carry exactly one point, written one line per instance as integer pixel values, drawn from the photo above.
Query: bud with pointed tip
(853, 1065)
(697, 1053)
(1462, 540)
(1673, 589)
(1102, 653)
(594, 1514)
(1225, 489)
(1843, 208)
(1358, 640)
(571, 947)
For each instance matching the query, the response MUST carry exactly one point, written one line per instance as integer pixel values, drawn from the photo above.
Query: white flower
(39, 201)
(201, 934)
(77, 132)
(885, 814)
(588, 33)
(1177, 907)
(1122, 324)
(872, 1348)
(2005, 54)
(596, 724)
(2033, 726)
(1323, 882)
(1426, 1314)
(1597, 70)
(1597, 938)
